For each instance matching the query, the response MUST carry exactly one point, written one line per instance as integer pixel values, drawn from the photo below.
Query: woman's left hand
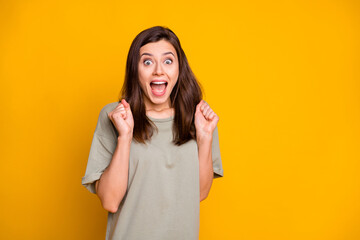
(205, 120)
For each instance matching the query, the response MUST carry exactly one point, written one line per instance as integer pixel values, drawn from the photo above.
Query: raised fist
(205, 120)
(122, 119)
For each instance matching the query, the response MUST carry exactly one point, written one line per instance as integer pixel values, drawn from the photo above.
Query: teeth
(158, 82)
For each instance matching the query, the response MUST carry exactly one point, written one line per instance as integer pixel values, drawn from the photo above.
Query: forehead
(158, 48)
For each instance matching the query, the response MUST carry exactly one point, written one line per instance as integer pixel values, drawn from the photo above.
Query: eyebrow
(153, 55)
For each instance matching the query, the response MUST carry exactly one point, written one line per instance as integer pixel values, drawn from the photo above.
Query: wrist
(125, 137)
(204, 138)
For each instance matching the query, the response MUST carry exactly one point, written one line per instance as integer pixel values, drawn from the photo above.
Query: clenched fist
(205, 120)
(122, 119)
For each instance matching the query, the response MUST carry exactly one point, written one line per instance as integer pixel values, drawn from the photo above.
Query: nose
(158, 69)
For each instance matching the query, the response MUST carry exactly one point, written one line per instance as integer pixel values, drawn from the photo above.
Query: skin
(205, 123)
(158, 61)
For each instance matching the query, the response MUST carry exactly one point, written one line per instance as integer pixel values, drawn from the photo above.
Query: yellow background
(282, 75)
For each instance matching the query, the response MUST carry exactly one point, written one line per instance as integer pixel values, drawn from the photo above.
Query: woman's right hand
(122, 119)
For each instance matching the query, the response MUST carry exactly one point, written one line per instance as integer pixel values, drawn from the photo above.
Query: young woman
(155, 153)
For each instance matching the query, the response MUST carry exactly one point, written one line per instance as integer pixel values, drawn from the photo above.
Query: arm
(205, 123)
(205, 165)
(112, 185)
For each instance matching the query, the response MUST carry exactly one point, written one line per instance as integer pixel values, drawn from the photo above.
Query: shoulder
(108, 108)
(104, 126)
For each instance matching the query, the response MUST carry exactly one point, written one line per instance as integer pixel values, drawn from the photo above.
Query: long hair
(184, 97)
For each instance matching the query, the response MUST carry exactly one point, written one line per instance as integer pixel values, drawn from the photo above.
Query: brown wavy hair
(184, 97)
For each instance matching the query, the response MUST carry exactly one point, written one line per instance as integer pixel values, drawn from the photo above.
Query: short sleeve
(102, 148)
(216, 157)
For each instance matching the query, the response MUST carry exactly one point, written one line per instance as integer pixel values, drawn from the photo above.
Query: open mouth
(158, 88)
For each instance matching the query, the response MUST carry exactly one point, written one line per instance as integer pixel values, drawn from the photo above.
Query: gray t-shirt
(162, 200)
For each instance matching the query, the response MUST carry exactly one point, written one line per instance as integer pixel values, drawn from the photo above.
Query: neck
(149, 106)
(159, 110)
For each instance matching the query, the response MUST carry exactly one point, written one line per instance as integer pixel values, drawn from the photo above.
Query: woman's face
(158, 73)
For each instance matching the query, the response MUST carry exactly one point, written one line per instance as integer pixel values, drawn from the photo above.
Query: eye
(168, 61)
(147, 62)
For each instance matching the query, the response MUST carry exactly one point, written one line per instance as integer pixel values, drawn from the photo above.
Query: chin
(159, 101)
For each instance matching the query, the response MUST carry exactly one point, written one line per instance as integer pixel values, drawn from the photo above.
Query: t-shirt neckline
(168, 119)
